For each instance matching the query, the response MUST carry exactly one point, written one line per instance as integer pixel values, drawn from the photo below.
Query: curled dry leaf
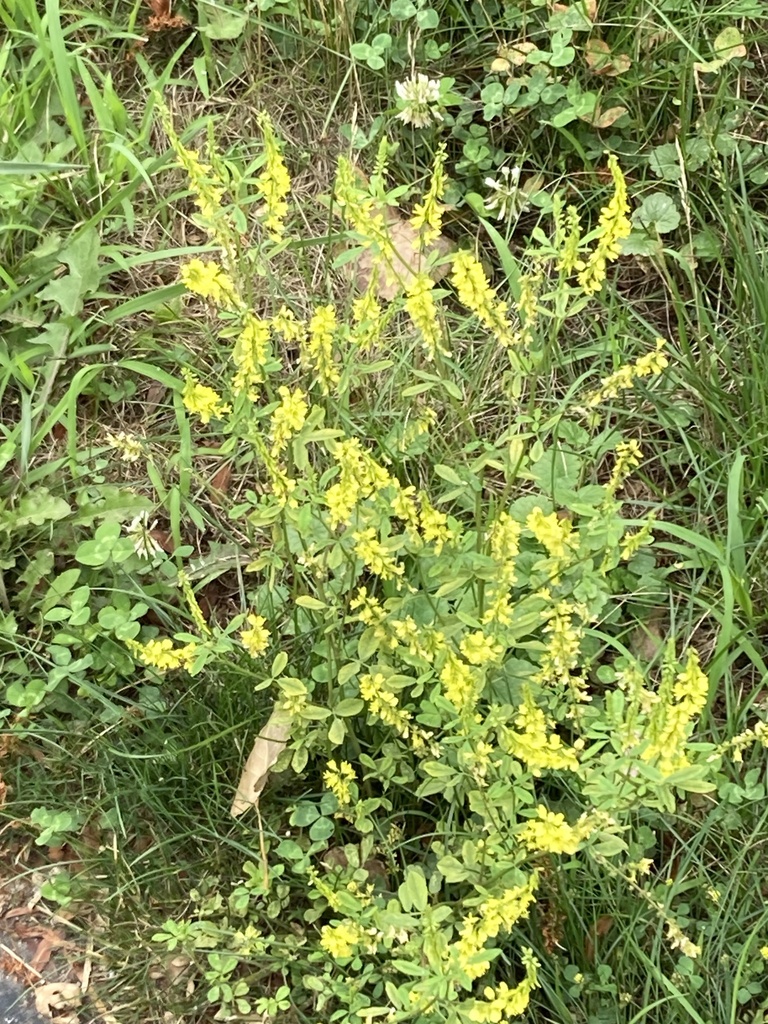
(267, 747)
(588, 7)
(601, 61)
(604, 118)
(57, 995)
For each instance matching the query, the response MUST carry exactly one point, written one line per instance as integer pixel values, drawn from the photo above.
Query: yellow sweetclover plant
(447, 647)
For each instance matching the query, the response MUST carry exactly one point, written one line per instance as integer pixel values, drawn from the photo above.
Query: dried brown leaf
(267, 747)
(601, 61)
(410, 260)
(57, 995)
(221, 478)
(604, 118)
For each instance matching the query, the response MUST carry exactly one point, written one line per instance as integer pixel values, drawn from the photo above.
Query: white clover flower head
(505, 195)
(419, 98)
(140, 532)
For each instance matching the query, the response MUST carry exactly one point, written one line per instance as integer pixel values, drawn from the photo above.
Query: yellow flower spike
(613, 226)
(460, 684)
(433, 524)
(360, 477)
(250, 354)
(427, 216)
(534, 743)
(495, 915)
(274, 182)
(629, 455)
(287, 419)
(502, 1003)
(255, 638)
(422, 309)
(476, 295)
(375, 555)
(383, 704)
(317, 347)
(202, 401)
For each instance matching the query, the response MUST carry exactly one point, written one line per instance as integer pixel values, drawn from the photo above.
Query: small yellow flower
(764, 952)
(337, 778)
(476, 295)
(428, 214)
(129, 445)
(422, 309)
(613, 226)
(629, 455)
(163, 656)
(317, 347)
(207, 280)
(287, 419)
(274, 182)
(255, 639)
(551, 532)
(250, 354)
(479, 649)
(340, 940)
(376, 555)
(551, 833)
(202, 401)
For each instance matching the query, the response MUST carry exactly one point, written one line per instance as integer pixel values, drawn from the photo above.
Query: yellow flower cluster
(207, 195)
(367, 316)
(628, 457)
(287, 419)
(433, 524)
(342, 940)
(551, 532)
(317, 347)
(613, 226)
(274, 182)
(163, 656)
(476, 295)
(758, 733)
(360, 477)
(428, 214)
(503, 1002)
(383, 704)
(504, 542)
(337, 778)
(649, 365)
(255, 639)
(561, 656)
(527, 305)
(209, 281)
(479, 649)
(568, 244)
(129, 445)
(202, 401)
(494, 915)
(672, 715)
(551, 833)
(533, 743)
(632, 541)
(422, 309)
(250, 354)
(424, 642)
(375, 555)
(461, 686)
